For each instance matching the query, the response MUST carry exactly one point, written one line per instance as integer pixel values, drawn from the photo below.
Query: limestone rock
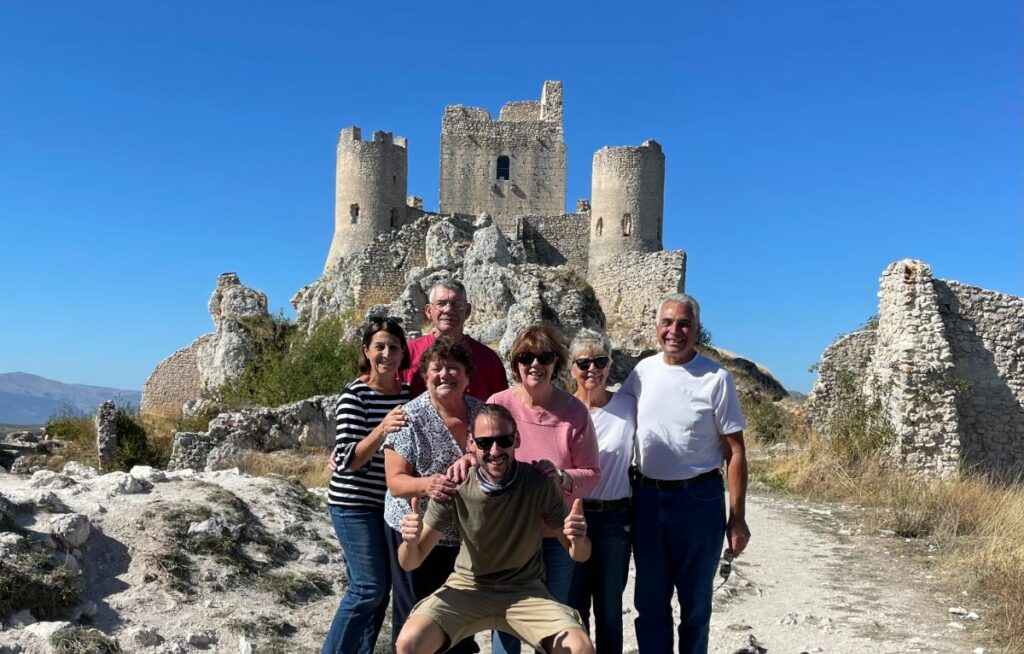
(50, 479)
(307, 422)
(77, 469)
(143, 637)
(148, 473)
(119, 483)
(70, 529)
(236, 311)
(106, 434)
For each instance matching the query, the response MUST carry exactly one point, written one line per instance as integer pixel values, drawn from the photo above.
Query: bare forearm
(408, 486)
(736, 471)
(366, 448)
(409, 556)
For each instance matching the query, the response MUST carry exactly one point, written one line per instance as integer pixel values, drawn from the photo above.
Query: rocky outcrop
(240, 321)
(230, 435)
(202, 562)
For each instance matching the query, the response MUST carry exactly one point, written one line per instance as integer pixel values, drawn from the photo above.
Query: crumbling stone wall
(629, 287)
(985, 331)
(175, 380)
(844, 364)
(530, 135)
(562, 240)
(945, 365)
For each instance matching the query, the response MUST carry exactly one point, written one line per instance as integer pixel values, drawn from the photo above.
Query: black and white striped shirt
(359, 410)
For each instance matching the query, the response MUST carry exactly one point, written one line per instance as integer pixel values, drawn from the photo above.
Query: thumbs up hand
(412, 524)
(575, 526)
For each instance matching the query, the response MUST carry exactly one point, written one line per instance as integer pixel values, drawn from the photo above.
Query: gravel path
(808, 583)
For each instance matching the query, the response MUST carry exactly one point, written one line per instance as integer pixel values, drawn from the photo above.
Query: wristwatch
(564, 479)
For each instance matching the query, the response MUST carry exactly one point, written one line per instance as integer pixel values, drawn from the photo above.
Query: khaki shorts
(531, 615)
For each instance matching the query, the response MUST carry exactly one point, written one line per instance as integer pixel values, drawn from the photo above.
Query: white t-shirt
(682, 412)
(615, 424)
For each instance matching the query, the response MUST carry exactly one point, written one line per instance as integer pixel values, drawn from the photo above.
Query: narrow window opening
(600, 226)
(627, 224)
(394, 217)
(394, 179)
(354, 212)
(504, 171)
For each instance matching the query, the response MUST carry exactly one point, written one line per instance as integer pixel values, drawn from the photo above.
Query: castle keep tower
(627, 202)
(370, 186)
(507, 167)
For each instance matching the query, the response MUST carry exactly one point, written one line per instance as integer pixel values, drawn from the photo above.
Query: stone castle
(512, 169)
(501, 227)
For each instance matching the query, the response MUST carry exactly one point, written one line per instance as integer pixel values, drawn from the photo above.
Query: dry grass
(308, 464)
(976, 525)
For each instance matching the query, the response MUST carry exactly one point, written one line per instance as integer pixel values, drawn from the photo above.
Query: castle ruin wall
(562, 240)
(985, 331)
(174, 381)
(843, 370)
(629, 287)
(471, 144)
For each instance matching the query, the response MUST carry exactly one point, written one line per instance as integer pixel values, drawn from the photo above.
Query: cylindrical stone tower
(627, 201)
(370, 188)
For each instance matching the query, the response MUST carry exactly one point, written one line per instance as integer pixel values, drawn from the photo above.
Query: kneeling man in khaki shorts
(498, 578)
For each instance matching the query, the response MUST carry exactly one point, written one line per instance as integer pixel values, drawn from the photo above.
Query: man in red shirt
(447, 309)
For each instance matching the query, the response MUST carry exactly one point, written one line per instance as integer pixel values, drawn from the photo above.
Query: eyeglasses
(454, 305)
(527, 358)
(504, 441)
(599, 362)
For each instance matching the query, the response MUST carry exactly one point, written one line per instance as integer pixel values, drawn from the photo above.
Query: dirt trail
(808, 583)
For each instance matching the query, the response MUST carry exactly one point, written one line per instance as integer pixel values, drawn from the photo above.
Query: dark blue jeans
(677, 541)
(602, 578)
(558, 567)
(361, 612)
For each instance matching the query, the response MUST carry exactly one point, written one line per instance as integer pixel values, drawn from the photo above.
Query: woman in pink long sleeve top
(556, 436)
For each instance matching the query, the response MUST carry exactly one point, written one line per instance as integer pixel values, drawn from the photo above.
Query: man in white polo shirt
(689, 423)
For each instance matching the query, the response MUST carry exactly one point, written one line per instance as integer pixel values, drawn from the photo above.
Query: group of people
(475, 506)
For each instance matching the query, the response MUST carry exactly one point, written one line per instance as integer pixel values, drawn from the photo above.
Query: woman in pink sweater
(556, 436)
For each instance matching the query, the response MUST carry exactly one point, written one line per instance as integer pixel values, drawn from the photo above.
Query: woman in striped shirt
(368, 410)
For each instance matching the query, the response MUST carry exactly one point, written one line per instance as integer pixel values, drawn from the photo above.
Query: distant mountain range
(30, 399)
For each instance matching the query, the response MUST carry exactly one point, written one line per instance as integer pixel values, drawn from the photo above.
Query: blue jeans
(677, 540)
(361, 612)
(558, 567)
(602, 578)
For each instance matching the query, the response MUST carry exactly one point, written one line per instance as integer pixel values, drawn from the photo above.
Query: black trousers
(408, 588)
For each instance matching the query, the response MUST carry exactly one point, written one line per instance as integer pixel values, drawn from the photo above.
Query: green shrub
(856, 428)
(70, 424)
(291, 365)
(133, 447)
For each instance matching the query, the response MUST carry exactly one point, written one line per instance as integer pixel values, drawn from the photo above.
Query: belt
(607, 505)
(671, 484)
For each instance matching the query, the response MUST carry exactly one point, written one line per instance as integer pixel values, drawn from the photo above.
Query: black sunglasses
(545, 358)
(504, 441)
(599, 362)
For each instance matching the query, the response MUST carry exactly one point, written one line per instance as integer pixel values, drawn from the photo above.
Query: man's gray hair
(451, 284)
(683, 299)
(587, 340)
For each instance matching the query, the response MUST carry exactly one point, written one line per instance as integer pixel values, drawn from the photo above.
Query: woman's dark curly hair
(447, 349)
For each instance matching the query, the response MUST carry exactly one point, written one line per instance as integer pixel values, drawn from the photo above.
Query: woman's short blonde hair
(539, 337)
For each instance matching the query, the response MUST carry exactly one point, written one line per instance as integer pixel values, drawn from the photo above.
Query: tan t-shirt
(501, 534)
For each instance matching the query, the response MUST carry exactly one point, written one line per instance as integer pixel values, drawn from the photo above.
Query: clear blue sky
(147, 147)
